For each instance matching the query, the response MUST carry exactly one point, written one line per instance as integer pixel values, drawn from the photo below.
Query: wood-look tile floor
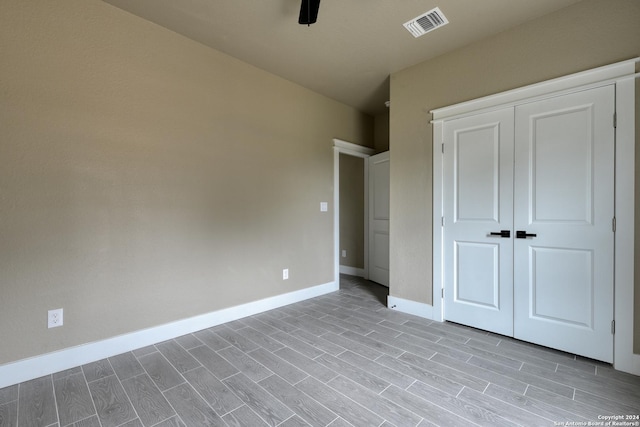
(342, 359)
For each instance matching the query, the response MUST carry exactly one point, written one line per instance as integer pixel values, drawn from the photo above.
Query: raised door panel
(573, 268)
(477, 275)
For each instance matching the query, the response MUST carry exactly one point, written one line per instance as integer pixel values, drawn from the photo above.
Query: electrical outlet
(55, 318)
(285, 274)
(344, 253)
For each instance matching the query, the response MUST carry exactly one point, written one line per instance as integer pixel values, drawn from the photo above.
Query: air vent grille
(426, 22)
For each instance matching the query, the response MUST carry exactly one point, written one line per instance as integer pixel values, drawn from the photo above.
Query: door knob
(521, 234)
(501, 233)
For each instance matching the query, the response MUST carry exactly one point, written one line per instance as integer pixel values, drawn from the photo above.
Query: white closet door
(478, 201)
(563, 191)
(379, 218)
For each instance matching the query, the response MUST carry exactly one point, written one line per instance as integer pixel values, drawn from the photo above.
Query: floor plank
(505, 410)
(555, 413)
(214, 392)
(338, 403)
(36, 405)
(193, 411)
(375, 403)
(97, 370)
(245, 364)
(278, 365)
(450, 383)
(88, 422)
(73, 399)
(147, 400)
(243, 417)
(366, 379)
(8, 394)
(456, 405)
(429, 411)
(235, 339)
(383, 372)
(305, 364)
(126, 365)
(264, 341)
(9, 414)
(258, 399)
(177, 356)
(171, 422)
(188, 341)
(111, 402)
(161, 372)
(211, 339)
(215, 363)
(307, 408)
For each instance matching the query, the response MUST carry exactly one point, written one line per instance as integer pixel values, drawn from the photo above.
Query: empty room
(304, 213)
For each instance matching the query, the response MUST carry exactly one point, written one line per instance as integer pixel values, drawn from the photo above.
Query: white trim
(344, 147)
(352, 271)
(353, 149)
(438, 214)
(600, 76)
(336, 214)
(35, 367)
(621, 74)
(623, 357)
(410, 307)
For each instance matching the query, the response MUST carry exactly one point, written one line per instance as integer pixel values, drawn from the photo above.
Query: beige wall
(588, 34)
(381, 132)
(145, 178)
(352, 210)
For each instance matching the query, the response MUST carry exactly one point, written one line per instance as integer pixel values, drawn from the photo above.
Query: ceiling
(349, 54)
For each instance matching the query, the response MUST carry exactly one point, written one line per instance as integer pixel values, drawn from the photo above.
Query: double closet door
(528, 221)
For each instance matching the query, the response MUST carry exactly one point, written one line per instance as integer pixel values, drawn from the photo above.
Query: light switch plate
(324, 206)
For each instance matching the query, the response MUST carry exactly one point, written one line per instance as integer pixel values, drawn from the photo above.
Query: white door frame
(344, 147)
(623, 75)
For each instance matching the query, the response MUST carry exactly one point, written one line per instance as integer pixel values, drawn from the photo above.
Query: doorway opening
(353, 200)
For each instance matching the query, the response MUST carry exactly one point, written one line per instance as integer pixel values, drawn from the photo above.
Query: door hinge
(613, 327)
(442, 221)
(443, 148)
(442, 293)
(613, 224)
(615, 120)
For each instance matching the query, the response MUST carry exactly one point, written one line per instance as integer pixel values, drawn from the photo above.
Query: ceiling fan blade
(309, 12)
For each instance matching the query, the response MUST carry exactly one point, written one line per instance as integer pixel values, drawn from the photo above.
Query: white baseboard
(410, 307)
(45, 364)
(629, 363)
(352, 271)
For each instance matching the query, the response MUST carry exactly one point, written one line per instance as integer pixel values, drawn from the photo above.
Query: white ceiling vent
(426, 22)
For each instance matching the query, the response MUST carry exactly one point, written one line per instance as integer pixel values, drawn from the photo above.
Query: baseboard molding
(410, 307)
(45, 364)
(352, 271)
(629, 363)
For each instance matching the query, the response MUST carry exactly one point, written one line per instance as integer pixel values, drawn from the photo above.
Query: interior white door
(564, 198)
(379, 218)
(478, 201)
